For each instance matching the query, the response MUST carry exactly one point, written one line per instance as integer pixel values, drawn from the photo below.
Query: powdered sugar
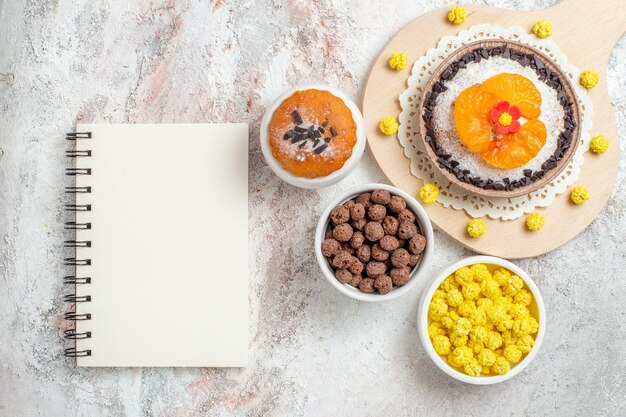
(552, 115)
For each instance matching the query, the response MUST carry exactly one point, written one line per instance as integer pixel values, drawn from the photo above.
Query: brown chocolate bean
(330, 247)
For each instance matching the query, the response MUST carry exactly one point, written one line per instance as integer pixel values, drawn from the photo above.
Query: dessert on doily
(499, 118)
(498, 50)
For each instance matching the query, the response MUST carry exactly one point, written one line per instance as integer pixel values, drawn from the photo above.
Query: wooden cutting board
(586, 32)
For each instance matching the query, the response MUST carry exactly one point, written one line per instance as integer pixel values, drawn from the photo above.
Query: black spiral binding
(72, 334)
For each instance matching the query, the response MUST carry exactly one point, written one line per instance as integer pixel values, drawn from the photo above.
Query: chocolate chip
(320, 149)
(296, 117)
(325, 123)
(333, 131)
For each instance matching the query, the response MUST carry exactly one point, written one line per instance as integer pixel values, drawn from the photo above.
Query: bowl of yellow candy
(482, 320)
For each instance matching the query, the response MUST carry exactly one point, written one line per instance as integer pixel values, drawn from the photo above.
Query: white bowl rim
(422, 320)
(348, 166)
(417, 272)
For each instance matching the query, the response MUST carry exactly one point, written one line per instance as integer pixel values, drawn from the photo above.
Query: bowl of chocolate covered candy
(373, 242)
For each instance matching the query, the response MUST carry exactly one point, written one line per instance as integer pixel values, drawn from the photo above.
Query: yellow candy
(505, 302)
(457, 15)
(466, 308)
(589, 79)
(542, 29)
(473, 368)
(579, 194)
(398, 61)
(441, 344)
(388, 126)
(439, 294)
(460, 356)
(484, 302)
(462, 326)
(471, 291)
(525, 343)
(458, 339)
(523, 297)
(508, 339)
(501, 276)
(490, 288)
(535, 221)
(453, 315)
(519, 310)
(476, 228)
(463, 275)
(493, 340)
(429, 193)
(599, 144)
(479, 334)
(486, 357)
(480, 272)
(501, 366)
(505, 324)
(454, 297)
(533, 325)
(435, 330)
(478, 317)
(512, 354)
(449, 283)
(447, 322)
(437, 308)
(513, 285)
(476, 347)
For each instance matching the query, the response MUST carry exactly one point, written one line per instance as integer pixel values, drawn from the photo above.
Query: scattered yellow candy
(579, 194)
(476, 228)
(599, 144)
(388, 125)
(480, 322)
(535, 221)
(429, 193)
(542, 29)
(589, 79)
(398, 61)
(457, 15)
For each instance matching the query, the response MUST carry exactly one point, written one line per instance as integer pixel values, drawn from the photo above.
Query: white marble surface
(312, 351)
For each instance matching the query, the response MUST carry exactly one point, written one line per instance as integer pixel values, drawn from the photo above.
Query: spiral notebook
(161, 228)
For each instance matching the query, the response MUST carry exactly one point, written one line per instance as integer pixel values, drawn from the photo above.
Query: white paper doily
(422, 167)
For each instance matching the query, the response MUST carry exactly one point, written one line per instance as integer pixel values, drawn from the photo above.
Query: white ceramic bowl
(303, 182)
(537, 307)
(425, 227)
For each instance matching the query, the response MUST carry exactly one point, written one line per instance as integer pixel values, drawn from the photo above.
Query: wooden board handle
(598, 24)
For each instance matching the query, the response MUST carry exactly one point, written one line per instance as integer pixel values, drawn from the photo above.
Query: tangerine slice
(517, 90)
(471, 115)
(515, 150)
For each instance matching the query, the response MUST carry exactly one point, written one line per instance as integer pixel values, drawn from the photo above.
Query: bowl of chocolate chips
(373, 242)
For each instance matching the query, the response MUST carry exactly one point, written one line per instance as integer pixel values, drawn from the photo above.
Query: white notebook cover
(169, 245)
